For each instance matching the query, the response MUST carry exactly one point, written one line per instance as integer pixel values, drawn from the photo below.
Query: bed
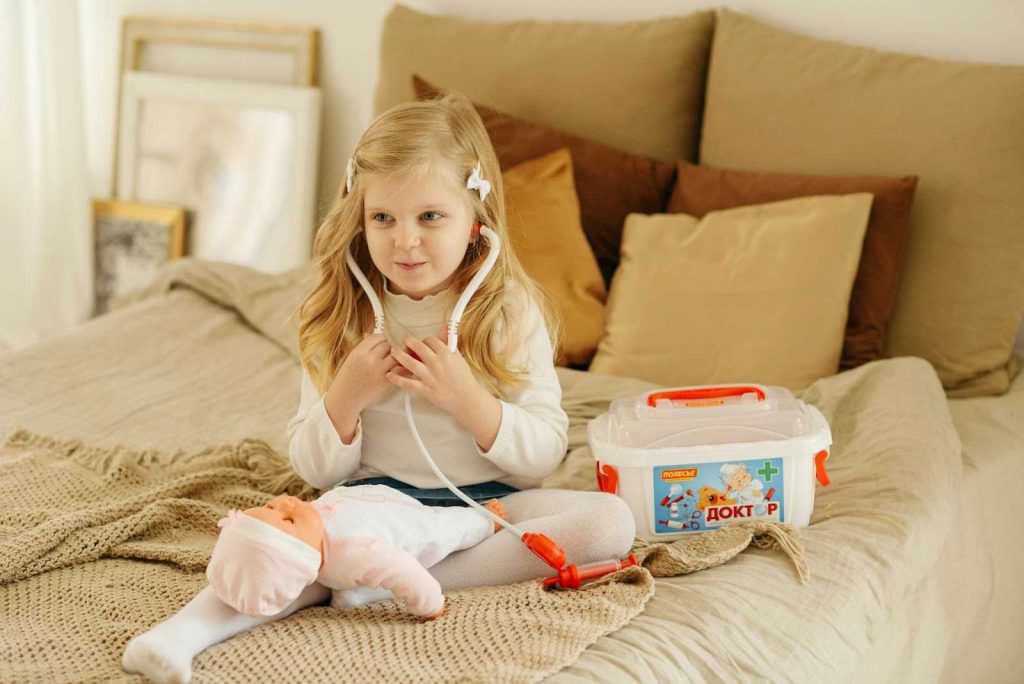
(912, 570)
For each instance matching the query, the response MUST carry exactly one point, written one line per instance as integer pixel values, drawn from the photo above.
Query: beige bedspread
(75, 521)
(206, 358)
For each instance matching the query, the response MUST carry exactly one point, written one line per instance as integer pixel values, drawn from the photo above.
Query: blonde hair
(410, 138)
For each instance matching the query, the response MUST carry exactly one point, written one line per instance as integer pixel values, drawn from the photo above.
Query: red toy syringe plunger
(571, 576)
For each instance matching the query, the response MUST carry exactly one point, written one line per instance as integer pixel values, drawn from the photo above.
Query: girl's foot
(496, 507)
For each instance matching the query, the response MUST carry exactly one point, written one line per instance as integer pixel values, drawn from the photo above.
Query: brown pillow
(545, 230)
(610, 183)
(752, 294)
(779, 101)
(702, 189)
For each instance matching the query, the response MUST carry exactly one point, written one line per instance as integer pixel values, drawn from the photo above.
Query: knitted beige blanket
(98, 544)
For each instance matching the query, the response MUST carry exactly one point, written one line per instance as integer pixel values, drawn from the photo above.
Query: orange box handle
(819, 467)
(705, 393)
(607, 478)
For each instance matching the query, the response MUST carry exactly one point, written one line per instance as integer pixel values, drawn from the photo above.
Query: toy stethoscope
(569, 577)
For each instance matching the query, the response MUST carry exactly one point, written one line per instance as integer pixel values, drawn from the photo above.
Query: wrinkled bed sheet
(907, 548)
(965, 621)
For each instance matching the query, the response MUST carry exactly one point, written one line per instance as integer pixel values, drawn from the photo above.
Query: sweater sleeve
(314, 447)
(534, 431)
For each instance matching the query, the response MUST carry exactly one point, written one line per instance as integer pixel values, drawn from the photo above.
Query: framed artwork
(286, 54)
(279, 53)
(131, 242)
(241, 157)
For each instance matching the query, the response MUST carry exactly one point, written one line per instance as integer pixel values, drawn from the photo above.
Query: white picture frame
(204, 48)
(240, 156)
(235, 50)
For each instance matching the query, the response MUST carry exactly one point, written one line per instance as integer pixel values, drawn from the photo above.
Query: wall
(987, 30)
(984, 31)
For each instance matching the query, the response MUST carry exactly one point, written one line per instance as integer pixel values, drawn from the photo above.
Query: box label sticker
(706, 496)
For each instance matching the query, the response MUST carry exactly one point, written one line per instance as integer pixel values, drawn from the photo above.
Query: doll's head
(409, 215)
(265, 556)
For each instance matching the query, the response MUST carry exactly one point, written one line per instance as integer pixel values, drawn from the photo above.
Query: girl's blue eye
(381, 217)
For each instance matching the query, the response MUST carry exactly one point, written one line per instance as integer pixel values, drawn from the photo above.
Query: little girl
(422, 181)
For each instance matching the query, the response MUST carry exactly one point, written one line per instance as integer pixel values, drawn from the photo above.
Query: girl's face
(417, 228)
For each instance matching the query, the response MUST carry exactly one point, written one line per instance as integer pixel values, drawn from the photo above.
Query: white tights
(589, 526)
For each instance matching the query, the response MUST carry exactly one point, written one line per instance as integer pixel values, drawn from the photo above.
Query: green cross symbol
(767, 471)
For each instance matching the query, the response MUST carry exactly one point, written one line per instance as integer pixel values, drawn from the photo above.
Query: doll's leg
(165, 652)
(589, 526)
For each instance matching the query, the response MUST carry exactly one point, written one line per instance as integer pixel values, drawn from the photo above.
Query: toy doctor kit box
(692, 459)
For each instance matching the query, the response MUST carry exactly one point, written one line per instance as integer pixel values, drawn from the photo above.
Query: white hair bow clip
(350, 171)
(475, 182)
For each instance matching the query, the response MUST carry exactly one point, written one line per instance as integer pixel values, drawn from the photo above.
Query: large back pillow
(637, 86)
(778, 101)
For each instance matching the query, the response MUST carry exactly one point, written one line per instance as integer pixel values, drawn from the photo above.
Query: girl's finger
(436, 345)
(371, 341)
(405, 382)
(417, 367)
(422, 350)
(401, 372)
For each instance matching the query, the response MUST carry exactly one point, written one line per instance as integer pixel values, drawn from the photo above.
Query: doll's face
(292, 515)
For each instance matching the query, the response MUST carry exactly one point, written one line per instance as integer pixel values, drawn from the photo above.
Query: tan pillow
(546, 232)
(752, 294)
(637, 86)
(778, 101)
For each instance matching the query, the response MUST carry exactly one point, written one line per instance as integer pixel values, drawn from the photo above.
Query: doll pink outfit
(378, 544)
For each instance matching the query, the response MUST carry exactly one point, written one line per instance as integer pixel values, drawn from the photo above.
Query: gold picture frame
(131, 242)
(300, 41)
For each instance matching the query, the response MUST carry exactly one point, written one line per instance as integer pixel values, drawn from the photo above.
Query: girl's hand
(441, 376)
(361, 381)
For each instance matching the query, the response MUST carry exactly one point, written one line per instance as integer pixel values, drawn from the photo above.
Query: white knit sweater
(531, 441)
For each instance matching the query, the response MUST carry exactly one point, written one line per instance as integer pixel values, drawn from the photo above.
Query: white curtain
(45, 214)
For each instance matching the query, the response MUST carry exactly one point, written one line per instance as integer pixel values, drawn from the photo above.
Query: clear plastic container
(691, 459)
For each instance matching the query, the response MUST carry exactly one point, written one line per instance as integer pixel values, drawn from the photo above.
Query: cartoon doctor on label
(741, 484)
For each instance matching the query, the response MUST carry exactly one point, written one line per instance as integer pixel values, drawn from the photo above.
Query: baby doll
(366, 543)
